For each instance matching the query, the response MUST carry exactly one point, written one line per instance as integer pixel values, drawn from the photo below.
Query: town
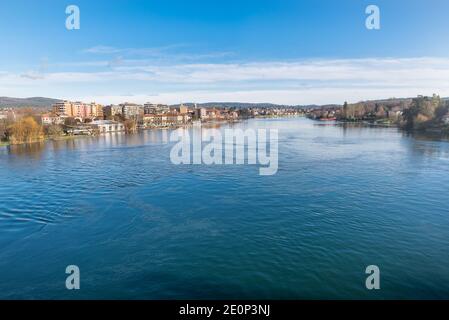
(67, 118)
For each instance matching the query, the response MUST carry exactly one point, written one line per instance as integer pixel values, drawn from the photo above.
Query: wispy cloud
(325, 80)
(165, 53)
(32, 75)
(108, 50)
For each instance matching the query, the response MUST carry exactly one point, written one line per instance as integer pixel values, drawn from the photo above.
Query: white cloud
(293, 82)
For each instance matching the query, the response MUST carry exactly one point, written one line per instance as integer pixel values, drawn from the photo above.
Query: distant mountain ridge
(34, 102)
(41, 102)
(237, 105)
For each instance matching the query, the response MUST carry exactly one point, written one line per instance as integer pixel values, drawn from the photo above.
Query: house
(175, 119)
(49, 119)
(107, 126)
(80, 130)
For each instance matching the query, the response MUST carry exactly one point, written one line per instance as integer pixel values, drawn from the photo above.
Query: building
(160, 120)
(49, 119)
(174, 119)
(63, 107)
(80, 130)
(78, 109)
(183, 109)
(112, 110)
(96, 110)
(132, 110)
(150, 108)
(149, 120)
(200, 113)
(107, 126)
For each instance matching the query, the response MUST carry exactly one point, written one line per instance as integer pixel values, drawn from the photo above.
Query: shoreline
(438, 133)
(73, 137)
(434, 131)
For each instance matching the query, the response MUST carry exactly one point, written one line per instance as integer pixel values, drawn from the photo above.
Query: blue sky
(281, 51)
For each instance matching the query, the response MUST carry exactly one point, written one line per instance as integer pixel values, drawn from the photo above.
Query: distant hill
(35, 102)
(237, 105)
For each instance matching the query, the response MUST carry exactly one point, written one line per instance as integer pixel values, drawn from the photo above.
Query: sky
(174, 51)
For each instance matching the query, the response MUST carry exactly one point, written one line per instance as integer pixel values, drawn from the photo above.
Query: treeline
(25, 127)
(375, 110)
(25, 130)
(420, 113)
(426, 113)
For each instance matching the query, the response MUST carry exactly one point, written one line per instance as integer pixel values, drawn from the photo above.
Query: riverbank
(441, 130)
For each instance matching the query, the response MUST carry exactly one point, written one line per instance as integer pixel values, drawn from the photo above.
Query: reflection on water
(33, 150)
(345, 197)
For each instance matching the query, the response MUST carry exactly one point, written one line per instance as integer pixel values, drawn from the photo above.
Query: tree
(130, 126)
(442, 110)
(71, 121)
(3, 128)
(422, 109)
(53, 130)
(345, 110)
(26, 130)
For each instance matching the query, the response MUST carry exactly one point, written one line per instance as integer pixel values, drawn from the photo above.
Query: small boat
(327, 119)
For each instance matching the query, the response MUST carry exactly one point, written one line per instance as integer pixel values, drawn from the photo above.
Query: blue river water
(140, 227)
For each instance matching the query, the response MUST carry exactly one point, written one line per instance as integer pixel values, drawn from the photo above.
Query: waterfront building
(49, 119)
(106, 126)
(175, 119)
(149, 120)
(80, 130)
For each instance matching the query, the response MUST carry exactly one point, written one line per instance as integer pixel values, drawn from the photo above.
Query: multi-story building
(150, 108)
(200, 113)
(177, 119)
(112, 110)
(78, 109)
(63, 107)
(132, 110)
(96, 110)
(183, 109)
